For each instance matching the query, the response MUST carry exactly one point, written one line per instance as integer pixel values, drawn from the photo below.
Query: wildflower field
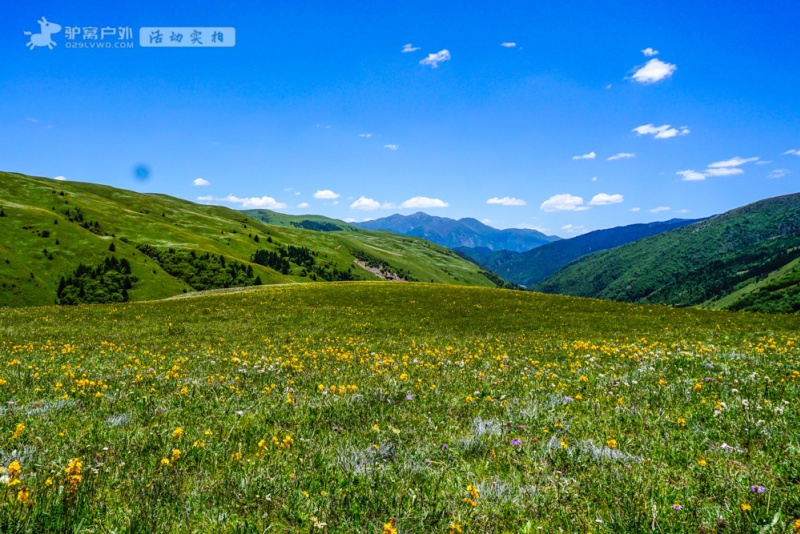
(379, 407)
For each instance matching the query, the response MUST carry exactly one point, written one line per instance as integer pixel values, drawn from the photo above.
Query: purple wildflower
(677, 507)
(758, 489)
(444, 446)
(516, 442)
(409, 396)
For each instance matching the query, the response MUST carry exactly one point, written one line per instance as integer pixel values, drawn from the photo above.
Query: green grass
(37, 207)
(110, 385)
(707, 263)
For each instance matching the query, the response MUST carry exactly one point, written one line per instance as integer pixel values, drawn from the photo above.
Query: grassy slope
(165, 221)
(697, 264)
(111, 384)
(295, 221)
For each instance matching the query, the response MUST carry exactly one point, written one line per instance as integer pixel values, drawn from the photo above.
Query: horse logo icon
(43, 37)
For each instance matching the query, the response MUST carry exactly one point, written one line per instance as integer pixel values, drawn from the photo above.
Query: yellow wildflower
(24, 496)
(14, 469)
(389, 528)
(74, 475)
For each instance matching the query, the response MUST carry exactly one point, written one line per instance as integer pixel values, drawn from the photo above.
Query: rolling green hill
(165, 246)
(535, 265)
(743, 259)
(319, 223)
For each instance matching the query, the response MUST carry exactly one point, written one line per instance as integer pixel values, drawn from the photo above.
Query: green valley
(744, 259)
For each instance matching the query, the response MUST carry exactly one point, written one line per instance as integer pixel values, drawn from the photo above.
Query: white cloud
(636, 210)
(778, 173)
(434, 59)
(792, 152)
(659, 209)
(603, 199)
(303, 205)
(506, 201)
(409, 48)
(724, 171)
(542, 229)
(590, 155)
(508, 44)
(325, 126)
(326, 194)
(733, 162)
(649, 52)
(574, 229)
(622, 155)
(691, 176)
(653, 71)
(728, 167)
(665, 131)
(365, 204)
(60, 178)
(594, 178)
(257, 202)
(252, 202)
(486, 221)
(424, 202)
(200, 181)
(563, 202)
(365, 135)
(391, 147)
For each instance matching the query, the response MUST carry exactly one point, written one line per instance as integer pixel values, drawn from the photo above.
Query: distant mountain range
(530, 267)
(745, 259)
(466, 232)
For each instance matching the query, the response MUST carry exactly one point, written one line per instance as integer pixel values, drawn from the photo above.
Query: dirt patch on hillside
(377, 272)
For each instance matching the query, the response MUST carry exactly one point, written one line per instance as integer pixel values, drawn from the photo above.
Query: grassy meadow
(388, 407)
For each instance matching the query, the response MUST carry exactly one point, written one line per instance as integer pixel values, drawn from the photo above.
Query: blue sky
(317, 108)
